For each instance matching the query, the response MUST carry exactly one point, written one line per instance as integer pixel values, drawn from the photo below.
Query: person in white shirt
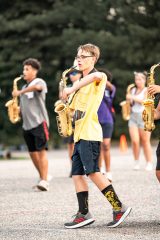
(136, 125)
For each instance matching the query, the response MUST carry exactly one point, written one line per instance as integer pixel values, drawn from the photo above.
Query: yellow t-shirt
(88, 100)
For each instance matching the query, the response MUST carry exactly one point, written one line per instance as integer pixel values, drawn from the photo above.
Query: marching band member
(87, 137)
(35, 118)
(136, 125)
(105, 116)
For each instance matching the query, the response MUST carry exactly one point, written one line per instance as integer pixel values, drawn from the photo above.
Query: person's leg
(106, 153)
(145, 140)
(89, 155)
(79, 181)
(43, 185)
(37, 144)
(30, 141)
(100, 162)
(83, 217)
(81, 188)
(135, 141)
(43, 164)
(158, 162)
(70, 153)
(35, 159)
(158, 175)
(107, 129)
(70, 150)
(120, 211)
(99, 180)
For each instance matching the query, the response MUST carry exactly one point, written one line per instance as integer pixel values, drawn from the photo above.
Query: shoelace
(76, 215)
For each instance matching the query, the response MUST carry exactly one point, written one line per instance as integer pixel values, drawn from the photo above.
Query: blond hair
(91, 48)
(141, 75)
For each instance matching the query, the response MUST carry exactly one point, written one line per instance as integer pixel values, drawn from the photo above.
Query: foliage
(127, 31)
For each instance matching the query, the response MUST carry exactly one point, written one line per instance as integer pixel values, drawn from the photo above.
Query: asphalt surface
(26, 214)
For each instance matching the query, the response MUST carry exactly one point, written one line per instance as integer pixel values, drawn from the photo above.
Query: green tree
(127, 31)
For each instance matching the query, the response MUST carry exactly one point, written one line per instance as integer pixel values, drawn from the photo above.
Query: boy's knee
(106, 146)
(77, 177)
(92, 175)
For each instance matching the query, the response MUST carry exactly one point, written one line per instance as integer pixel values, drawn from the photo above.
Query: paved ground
(25, 214)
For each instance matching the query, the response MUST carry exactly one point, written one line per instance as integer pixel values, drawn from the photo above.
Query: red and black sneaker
(119, 216)
(80, 220)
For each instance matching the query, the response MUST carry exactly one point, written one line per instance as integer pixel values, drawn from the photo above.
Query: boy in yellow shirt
(88, 95)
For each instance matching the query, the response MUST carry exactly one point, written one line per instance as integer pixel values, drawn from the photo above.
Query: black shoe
(80, 220)
(119, 217)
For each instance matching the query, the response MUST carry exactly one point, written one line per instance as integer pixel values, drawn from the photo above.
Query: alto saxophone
(13, 108)
(148, 112)
(64, 119)
(126, 108)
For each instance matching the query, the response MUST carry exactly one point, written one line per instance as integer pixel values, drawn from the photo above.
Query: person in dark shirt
(73, 76)
(105, 116)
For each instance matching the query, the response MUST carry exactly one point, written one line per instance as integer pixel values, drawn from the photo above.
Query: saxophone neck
(151, 79)
(15, 82)
(130, 87)
(154, 67)
(64, 78)
(63, 82)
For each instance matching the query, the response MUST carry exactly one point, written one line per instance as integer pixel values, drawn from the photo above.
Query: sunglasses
(74, 73)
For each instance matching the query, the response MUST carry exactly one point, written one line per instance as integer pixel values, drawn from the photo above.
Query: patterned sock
(112, 197)
(83, 202)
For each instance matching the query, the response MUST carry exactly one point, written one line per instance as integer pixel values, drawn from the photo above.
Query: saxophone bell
(64, 119)
(126, 108)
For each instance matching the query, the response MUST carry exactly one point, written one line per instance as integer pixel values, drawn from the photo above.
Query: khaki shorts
(136, 120)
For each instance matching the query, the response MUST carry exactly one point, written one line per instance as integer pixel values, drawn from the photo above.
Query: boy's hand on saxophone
(16, 93)
(69, 90)
(66, 91)
(153, 89)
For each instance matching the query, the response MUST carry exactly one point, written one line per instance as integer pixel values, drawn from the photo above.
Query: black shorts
(158, 157)
(107, 129)
(85, 157)
(36, 138)
(69, 139)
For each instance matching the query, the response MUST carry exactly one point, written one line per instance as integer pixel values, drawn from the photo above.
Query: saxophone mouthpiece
(21, 75)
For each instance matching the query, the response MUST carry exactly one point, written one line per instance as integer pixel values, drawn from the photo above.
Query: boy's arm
(157, 112)
(96, 76)
(153, 89)
(33, 88)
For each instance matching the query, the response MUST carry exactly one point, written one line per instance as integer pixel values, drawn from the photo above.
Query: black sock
(83, 202)
(112, 197)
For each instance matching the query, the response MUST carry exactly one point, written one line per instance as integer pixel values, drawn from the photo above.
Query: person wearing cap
(73, 76)
(35, 119)
(105, 116)
(88, 95)
(136, 125)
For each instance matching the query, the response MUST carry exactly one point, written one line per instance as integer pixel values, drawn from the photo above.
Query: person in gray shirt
(35, 118)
